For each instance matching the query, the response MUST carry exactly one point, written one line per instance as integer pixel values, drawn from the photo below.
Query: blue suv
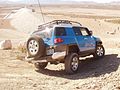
(62, 41)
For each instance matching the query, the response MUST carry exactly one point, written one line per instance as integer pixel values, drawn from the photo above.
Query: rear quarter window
(60, 31)
(77, 31)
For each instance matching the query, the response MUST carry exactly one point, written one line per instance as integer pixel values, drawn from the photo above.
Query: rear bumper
(60, 52)
(55, 57)
(59, 55)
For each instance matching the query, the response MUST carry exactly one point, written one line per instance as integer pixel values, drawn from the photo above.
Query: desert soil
(103, 74)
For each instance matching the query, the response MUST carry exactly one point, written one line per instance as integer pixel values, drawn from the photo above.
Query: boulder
(5, 44)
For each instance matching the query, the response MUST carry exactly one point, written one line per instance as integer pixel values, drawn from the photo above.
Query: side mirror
(90, 33)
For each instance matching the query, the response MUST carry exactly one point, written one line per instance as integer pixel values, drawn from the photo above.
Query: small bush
(22, 49)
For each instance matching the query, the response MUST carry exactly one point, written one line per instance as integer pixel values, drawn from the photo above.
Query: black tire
(40, 65)
(41, 47)
(69, 68)
(97, 54)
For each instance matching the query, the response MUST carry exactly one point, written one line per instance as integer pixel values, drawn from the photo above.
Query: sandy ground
(102, 74)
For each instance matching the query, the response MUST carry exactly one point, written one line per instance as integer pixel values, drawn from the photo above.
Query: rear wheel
(40, 65)
(99, 52)
(72, 63)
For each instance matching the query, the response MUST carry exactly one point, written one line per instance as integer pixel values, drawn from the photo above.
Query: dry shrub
(22, 47)
(22, 53)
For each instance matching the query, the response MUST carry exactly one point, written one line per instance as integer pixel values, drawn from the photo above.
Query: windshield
(47, 33)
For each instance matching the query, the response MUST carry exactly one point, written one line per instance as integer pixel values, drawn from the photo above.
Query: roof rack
(57, 22)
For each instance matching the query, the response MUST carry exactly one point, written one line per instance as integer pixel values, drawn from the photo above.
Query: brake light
(58, 40)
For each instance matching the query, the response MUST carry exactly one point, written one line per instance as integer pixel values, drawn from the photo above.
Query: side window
(60, 31)
(84, 31)
(77, 31)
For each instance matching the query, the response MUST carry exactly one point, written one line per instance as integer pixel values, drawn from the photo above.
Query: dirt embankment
(23, 21)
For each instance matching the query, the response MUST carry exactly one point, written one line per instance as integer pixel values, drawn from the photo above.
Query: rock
(6, 44)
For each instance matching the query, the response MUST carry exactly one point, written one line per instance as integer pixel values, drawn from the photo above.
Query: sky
(99, 1)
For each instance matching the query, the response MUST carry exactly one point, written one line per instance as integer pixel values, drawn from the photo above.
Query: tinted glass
(45, 33)
(60, 31)
(77, 31)
(84, 31)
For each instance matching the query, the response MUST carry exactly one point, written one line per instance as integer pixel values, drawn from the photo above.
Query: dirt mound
(19, 23)
(24, 20)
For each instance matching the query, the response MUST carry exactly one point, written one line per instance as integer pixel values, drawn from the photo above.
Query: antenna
(41, 11)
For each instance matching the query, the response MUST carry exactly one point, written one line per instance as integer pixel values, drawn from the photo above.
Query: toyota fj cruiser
(62, 41)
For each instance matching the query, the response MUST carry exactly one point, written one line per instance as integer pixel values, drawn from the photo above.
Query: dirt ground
(104, 74)
(101, 74)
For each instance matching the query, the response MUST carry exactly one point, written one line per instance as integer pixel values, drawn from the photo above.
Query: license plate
(50, 51)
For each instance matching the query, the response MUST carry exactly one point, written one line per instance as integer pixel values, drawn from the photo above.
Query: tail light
(58, 40)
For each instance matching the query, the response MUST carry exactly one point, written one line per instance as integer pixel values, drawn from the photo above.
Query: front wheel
(99, 52)
(72, 63)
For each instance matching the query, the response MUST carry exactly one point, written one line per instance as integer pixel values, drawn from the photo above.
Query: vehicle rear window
(60, 31)
(77, 31)
(44, 34)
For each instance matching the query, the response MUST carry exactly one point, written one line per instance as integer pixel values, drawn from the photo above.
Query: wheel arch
(72, 49)
(99, 43)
